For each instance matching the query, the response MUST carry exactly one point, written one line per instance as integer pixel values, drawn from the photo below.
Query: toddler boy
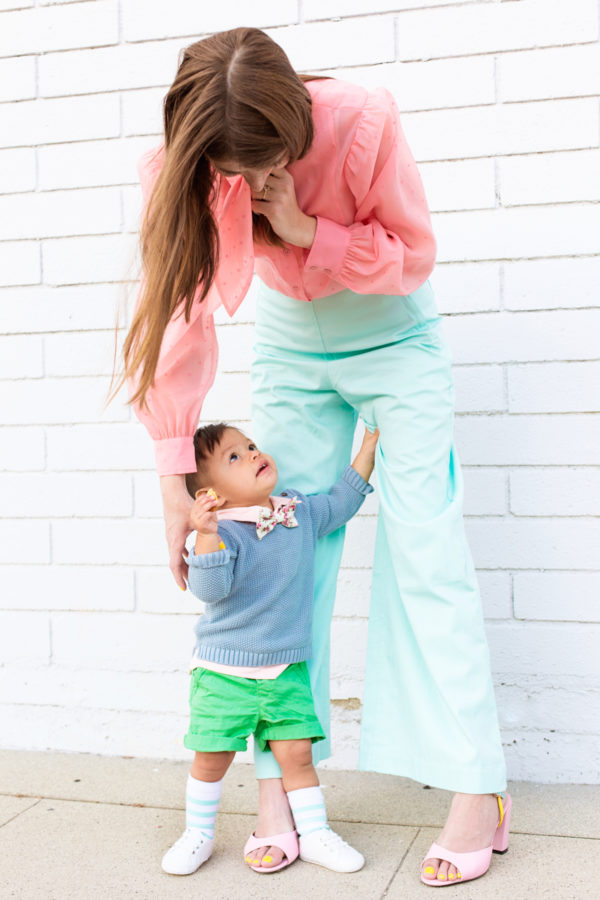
(252, 567)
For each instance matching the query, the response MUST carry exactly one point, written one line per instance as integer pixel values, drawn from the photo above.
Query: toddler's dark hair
(205, 440)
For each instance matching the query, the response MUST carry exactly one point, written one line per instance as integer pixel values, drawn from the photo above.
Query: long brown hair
(235, 97)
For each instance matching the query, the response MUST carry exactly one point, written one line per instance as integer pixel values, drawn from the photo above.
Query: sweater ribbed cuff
(209, 560)
(356, 481)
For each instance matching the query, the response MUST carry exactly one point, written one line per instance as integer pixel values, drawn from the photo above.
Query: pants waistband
(342, 323)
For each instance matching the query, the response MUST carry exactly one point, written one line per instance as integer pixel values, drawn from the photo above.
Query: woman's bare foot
(274, 817)
(471, 825)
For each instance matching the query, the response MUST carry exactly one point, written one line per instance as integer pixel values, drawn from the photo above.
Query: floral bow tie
(268, 519)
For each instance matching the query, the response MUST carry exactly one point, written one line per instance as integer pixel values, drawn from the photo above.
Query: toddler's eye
(252, 447)
(233, 457)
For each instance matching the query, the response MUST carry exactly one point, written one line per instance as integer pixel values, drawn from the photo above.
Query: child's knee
(211, 766)
(293, 754)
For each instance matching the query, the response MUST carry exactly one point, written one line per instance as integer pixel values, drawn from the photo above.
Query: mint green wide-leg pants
(429, 711)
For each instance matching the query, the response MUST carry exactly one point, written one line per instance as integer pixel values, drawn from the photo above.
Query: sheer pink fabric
(373, 236)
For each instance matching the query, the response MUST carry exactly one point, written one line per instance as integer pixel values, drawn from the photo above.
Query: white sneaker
(326, 848)
(188, 853)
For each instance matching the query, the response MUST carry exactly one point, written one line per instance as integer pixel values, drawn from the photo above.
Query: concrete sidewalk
(81, 826)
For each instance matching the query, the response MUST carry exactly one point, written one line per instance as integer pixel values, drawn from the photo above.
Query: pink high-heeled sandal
(287, 842)
(475, 863)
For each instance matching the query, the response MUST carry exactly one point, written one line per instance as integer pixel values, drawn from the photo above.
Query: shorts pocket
(197, 675)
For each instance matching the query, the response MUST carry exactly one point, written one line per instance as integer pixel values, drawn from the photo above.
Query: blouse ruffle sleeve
(390, 247)
(189, 352)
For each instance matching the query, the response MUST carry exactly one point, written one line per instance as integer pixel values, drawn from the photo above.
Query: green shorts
(225, 710)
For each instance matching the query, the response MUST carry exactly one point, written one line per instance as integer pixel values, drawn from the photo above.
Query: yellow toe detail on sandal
(441, 877)
(451, 876)
(267, 859)
(429, 870)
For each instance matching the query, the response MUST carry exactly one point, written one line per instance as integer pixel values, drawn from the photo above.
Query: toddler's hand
(203, 517)
(365, 458)
(369, 442)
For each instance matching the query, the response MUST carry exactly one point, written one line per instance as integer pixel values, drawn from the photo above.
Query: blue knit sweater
(259, 594)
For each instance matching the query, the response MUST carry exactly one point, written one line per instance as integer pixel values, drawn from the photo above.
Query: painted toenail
(267, 859)
(441, 877)
(459, 875)
(450, 876)
(256, 862)
(248, 859)
(430, 870)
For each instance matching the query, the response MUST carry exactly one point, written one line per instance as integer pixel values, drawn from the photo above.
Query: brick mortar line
(191, 37)
(520, 624)
(124, 138)
(198, 35)
(118, 470)
(445, 315)
(507, 730)
(119, 23)
(40, 98)
(508, 570)
(300, 20)
(587, 148)
(124, 566)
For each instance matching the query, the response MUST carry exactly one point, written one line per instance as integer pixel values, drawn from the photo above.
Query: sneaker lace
(193, 833)
(331, 838)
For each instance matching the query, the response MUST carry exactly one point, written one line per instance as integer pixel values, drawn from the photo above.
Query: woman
(310, 183)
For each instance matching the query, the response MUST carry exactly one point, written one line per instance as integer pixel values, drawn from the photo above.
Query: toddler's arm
(364, 460)
(211, 565)
(210, 575)
(332, 510)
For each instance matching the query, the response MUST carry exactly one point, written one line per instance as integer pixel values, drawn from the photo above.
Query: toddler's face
(240, 473)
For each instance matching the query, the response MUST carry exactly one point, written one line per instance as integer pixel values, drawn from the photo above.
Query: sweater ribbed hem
(246, 658)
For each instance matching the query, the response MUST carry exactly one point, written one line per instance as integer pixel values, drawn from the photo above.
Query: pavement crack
(397, 869)
(21, 811)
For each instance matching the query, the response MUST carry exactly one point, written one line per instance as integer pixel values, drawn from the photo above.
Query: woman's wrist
(306, 232)
(173, 489)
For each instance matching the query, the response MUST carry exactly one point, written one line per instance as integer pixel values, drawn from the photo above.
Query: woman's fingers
(280, 174)
(179, 567)
(277, 182)
(259, 207)
(279, 204)
(176, 538)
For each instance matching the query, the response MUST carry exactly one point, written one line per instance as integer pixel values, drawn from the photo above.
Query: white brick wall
(499, 101)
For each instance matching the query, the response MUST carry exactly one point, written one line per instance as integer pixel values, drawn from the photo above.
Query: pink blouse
(373, 236)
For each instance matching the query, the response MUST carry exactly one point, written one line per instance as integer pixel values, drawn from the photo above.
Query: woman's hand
(177, 505)
(278, 203)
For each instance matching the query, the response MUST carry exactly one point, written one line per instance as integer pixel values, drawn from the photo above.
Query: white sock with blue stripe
(201, 804)
(308, 809)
